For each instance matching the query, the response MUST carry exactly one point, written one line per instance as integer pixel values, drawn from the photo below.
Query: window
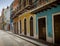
(30, 2)
(24, 3)
(19, 4)
(42, 2)
(20, 1)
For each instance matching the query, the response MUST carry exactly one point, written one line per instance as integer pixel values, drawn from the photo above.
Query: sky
(4, 4)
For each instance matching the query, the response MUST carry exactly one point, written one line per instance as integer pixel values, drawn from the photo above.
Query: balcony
(29, 5)
(12, 13)
(36, 3)
(21, 8)
(17, 12)
(34, 7)
(39, 7)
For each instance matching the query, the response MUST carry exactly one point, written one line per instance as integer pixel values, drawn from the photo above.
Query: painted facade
(21, 27)
(35, 19)
(11, 20)
(7, 18)
(49, 14)
(2, 16)
(45, 22)
(27, 16)
(0, 22)
(21, 18)
(13, 8)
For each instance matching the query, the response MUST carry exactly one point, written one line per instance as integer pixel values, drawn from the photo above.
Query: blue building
(11, 20)
(47, 20)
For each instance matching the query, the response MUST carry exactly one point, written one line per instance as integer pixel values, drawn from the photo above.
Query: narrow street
(10, 40)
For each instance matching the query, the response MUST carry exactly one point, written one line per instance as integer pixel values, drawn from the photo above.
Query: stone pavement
(7, 39)
(29, 40)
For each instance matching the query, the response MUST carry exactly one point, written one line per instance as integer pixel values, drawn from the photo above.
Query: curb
(29, 40)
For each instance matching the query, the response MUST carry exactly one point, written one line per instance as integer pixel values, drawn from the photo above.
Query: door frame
(53, 24)
(46, 26)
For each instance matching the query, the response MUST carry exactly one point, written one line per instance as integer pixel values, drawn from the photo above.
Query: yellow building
(25, 24)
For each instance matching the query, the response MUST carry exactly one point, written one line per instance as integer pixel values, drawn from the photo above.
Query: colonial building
(37, 19)
(47, 20)
(22, 17)
(2, 16)
(7, 18)
(0, 22)
(11, 21)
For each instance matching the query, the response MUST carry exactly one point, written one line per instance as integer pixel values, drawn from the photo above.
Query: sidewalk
(29, 40)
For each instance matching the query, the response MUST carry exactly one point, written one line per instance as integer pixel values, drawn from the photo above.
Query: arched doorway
(25, 26)
(31, 26)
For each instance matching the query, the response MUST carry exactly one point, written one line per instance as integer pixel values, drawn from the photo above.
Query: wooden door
(57, 29)
(42, 28)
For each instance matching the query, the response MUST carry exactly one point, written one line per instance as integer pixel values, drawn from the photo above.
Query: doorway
(20, 27)
(42, 28)
(57, 29)
(31, 26)
(14, 27)
(24, 26)
(17, 27)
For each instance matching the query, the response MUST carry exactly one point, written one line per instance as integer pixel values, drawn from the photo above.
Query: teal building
(48, 21)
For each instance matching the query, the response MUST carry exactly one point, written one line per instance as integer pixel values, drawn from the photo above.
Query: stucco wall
(7, 15)
(27, 17)
(48, 14)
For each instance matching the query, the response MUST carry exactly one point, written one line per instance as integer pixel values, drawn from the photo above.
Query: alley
(10, 40)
